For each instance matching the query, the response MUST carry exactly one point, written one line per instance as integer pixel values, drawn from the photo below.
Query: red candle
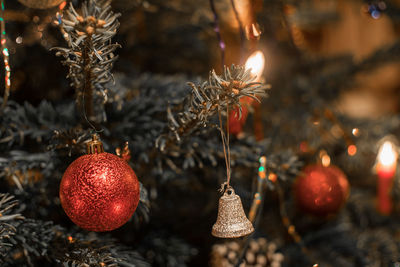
(386, 169)
(255, 62)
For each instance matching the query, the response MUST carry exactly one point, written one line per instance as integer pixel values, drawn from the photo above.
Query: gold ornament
(40, 4)
(94, 146)
(231, 221)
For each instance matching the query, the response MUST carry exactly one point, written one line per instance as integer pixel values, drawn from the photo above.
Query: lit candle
(255, 62)
(386, 169)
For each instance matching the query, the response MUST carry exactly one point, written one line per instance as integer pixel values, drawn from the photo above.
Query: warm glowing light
(326, 160)
(272, 177)
(386, 169)
(387, 155)
(256, 62)
(356, 131)
(256, 30)
(261, 169)
(253, 31)
(62, 5)
(352, 150)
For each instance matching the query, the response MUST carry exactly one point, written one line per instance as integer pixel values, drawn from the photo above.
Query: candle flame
(256, 62)
(387, 154)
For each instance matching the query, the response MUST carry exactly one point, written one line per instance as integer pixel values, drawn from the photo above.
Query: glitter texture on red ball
(99, 192)
(344, 183)
(321, 191)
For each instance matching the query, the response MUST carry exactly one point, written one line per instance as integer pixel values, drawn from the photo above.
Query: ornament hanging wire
(227, 151)
(59, 21)
(85, 116)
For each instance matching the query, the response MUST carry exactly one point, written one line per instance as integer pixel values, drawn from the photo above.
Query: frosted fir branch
(34, 241)
(7, 218)
(78, 250)
(206, 99)
(7, 204)
(20, 122)
(31, 241)
(21, 240)
(69, 140)
(90, 53)
(16, 166)
(170, 250)
(86, 256)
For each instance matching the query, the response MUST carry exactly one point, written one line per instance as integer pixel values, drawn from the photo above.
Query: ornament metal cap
(231, 221)
(94, 146)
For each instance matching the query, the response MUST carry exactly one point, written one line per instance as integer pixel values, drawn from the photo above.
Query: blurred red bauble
(344, 183)
(321, 191)
(99, 191)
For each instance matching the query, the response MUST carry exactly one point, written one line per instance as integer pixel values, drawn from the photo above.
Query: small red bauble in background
(99, 191)
(321, 191)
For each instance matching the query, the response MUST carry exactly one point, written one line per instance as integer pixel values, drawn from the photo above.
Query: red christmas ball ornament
(99, 191)
(342, 178)
(321, 191)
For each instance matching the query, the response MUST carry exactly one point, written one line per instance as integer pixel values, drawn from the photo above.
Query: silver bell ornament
(231, 221)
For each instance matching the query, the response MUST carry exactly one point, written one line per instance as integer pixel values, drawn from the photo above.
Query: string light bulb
(351, 150)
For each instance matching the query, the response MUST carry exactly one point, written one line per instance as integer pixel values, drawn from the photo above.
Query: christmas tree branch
(206, 99)
(90, 55)
(7, 216)
(25, 242)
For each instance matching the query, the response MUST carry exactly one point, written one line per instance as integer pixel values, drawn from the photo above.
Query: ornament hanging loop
(95, 146)
(229, 191)
(226, 188)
